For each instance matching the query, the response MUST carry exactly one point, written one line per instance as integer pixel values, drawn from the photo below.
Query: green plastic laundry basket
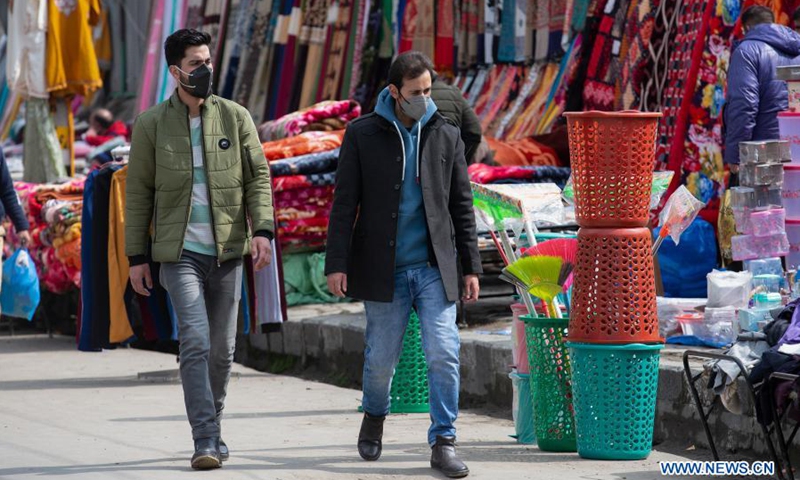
(410, 382)
(615, 399)
(551, 385)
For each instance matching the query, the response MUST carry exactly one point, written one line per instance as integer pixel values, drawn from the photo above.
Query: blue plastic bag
(20, 291)
(684, 267)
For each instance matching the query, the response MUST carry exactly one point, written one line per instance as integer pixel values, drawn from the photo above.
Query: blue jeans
(386, 324)
(205, 297)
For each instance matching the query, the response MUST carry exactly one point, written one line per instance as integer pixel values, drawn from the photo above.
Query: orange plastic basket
(614, 290)
(612, 156)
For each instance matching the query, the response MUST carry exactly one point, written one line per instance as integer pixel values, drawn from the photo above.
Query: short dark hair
(176, 44)
(409, 65)
(756, 15)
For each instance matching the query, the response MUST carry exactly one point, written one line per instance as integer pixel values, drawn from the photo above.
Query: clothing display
(72, 67)
(25, 62)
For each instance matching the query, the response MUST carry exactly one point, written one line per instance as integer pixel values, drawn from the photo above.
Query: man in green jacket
(198, 183)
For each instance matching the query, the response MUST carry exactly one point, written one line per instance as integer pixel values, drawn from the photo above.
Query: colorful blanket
(701, 162)
(480, 173)
(303, 144)
(294, 182)
(305, 164)
(324, 116)
(522, 152)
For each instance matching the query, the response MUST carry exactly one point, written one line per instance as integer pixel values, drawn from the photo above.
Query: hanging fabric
(42, 151)
(72, 67)
(25, 48)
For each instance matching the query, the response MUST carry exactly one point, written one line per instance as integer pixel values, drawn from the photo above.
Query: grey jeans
(205, 297)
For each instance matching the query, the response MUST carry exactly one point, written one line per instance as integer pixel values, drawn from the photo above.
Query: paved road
(84, 416)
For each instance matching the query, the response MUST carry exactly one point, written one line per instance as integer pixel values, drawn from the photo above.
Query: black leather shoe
(444, 459)
(369, 438)
(224, 454)
(206, 454)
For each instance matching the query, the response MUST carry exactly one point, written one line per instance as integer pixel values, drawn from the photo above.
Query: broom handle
(512, 257)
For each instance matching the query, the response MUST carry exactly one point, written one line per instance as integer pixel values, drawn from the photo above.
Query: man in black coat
(402, 218)
(452, 104)
(9, 205)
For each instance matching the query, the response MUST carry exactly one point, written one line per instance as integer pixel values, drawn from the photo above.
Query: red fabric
(117, 129)
(309, 142)
(522, 152)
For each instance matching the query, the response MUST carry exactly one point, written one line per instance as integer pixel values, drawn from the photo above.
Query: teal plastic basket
(523, 408)
(410, 382)
(551, 383)
(615, 390)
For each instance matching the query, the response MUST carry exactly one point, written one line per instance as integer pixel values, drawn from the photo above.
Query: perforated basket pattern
(612, 158)
(551, 384)
(410, 382)
(615, 399)
(614, 291)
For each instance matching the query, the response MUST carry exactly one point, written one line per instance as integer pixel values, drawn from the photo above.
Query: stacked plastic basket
(614, 345)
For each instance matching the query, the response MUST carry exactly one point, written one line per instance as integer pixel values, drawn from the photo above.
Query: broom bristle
(540, 273)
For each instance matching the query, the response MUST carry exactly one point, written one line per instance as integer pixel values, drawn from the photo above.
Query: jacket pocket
(248, 159)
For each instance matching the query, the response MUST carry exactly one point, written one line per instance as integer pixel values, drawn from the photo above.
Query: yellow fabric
(102, 41)
(72, 67)
(118, 266)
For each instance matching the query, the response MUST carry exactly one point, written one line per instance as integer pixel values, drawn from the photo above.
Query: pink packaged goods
(789, 126)
(791, 74)
(793, 235)
(767, 222)
(750, 247)
(791, 191)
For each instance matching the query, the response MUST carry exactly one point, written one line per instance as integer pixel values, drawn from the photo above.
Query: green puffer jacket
(159, 186)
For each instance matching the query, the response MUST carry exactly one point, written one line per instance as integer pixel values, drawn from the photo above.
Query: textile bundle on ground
(54, 213)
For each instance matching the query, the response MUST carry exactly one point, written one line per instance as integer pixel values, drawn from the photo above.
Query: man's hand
(141, 280)
(24, 238)
(337, 284)
(472, 288)
(261, 250)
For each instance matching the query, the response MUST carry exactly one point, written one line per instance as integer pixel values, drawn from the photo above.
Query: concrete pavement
(72, 415)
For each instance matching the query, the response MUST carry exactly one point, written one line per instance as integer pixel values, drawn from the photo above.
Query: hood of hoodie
(782, 39)
(385, 108)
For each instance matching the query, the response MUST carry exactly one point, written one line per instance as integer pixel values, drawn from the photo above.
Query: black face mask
(199, 82)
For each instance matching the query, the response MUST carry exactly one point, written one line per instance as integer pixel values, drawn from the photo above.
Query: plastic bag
(684, 267)
(729, 289)
(679, 212)
(20, 291)
(718, 327)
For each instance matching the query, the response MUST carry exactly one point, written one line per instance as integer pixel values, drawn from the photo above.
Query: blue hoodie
(411, 250)
(755, 95)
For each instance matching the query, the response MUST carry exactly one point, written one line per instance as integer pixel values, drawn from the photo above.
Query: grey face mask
(415, 107)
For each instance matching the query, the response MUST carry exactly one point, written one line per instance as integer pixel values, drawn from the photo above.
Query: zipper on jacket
(189, 206)
(208, 189)
(249, 158)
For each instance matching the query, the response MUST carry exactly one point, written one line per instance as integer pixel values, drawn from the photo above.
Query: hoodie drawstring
(419, 135)
(403, 146)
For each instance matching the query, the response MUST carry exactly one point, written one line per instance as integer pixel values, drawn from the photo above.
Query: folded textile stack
(54, 212)
(485, 174)
(526, 151)
(303, 144)
(303, 170)
(325, 116)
